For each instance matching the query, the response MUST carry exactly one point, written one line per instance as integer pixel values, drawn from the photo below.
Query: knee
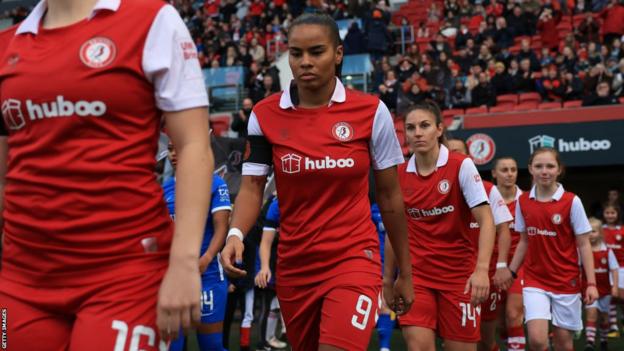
(538, 343)
(513, 316)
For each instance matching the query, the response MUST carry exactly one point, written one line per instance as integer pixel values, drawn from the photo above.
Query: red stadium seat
(452, 112)
(220, 125)
(526, 106)
(529, 97)
(549, 105)
(476, 110)
(501, 108)
(622, 100)
(507, 99)
(572, 103)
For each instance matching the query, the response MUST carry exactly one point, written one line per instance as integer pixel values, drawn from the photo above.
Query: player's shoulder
(269, 103)
(143, 4)
(6, 36)
(356, 96)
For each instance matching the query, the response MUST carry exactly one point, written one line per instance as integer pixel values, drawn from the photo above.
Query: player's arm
(256, 167)
(264, 276)
(479, 282)
(179, 295)
(390, 201)
(614, 268)
(220, 222)
(502, 217)
(587, 259)
(523, 244)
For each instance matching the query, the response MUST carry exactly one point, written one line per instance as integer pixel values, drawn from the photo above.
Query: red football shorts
(491, 307)
(340, 312)
(447, 312)
(115, 315)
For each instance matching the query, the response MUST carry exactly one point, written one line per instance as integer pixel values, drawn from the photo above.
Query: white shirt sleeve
(170, 63)
(578, 218)
(250, 168)
(613, 263)
(500, 211)
(519, 225)
(471, 184)
(384, 145)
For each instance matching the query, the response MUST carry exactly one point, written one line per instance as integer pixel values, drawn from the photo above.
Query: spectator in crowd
(568, 59)
(486, 30)
(517, 22)
(484, 56)
(483, 93)
(501, 81)
(618, 80)
(459, 96)
(416, 79)
(415, 95)
(588, 30)
(231, 57)
(240, 119)
(451, 7)
(613, 26)
(594, 53)
(423, 31)
(405, 69)
(439, 45)
(389, 90)
(462, 36)
(267, 88)
(528, 53)
(355, 40)
(379, 37)
(553, 87)
(256, 51)
(434, 13)
(547, 25)
(617, 52)
(546, 59)
(602, 96)
(504, 36)
(573, 86)
(596, 75)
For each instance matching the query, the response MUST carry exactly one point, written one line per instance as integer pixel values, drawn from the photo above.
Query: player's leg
(489, 321)
(459, 322)
(350, 310)
(301, 308)
(385, 326)
(420, 323)
(614, 330)
(514, 315)
(245, 328)
(271, 326)
(30, 323)
(235, 298)
(213, 303)
(537, 305)
(119, 315)
(591, 319)
(566, 319)
(604, 328)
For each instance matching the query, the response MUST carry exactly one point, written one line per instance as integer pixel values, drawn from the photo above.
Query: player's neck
(508, 193)
(426, 162)
(62, 13)
(315, 99)
(596, 246)
(545, 193)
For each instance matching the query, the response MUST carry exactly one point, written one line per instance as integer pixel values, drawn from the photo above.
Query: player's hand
(478, 285)
(615, 291)
(204, 262)
(401, 296)
(263, 277)
(178, 298)
(502, 278)
(591, 295)
(232, 257)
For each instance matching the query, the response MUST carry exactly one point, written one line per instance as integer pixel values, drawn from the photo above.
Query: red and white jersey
(321, 158)
(604, 263)
(501, 215)
(614, 238)
(438, 218)
(83, 105)
(552, 262)
(515, 235)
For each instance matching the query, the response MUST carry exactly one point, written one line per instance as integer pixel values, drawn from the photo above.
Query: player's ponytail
(432, 108)
(323, 20)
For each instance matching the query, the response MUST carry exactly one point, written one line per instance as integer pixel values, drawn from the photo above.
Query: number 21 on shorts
(469, 313)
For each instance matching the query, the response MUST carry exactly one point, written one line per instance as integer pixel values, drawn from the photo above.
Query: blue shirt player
(214, 282)
(385, 323)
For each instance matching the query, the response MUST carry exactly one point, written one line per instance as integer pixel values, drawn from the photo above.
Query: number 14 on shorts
(469, 313)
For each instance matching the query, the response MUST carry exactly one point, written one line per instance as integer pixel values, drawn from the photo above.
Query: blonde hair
(598, 223)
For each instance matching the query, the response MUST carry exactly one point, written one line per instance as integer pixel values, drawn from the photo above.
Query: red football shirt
(321, 158)
(438, 218)
(552, 261)
(604, 263)
(83, 106)
(614, 238)
(515, 236)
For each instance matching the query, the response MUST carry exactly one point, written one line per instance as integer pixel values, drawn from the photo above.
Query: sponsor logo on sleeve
(342, 131)
(481, 148)
(98, 52)
(189, 51)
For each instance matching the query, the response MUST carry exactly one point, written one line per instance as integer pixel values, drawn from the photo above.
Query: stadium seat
(622, 100)
(572, 103)
(526, 106)
(529, 97)
(501, 108)
(452, 112)
(220, 125)
(507, 99)
(476, 110)
(549, 105)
